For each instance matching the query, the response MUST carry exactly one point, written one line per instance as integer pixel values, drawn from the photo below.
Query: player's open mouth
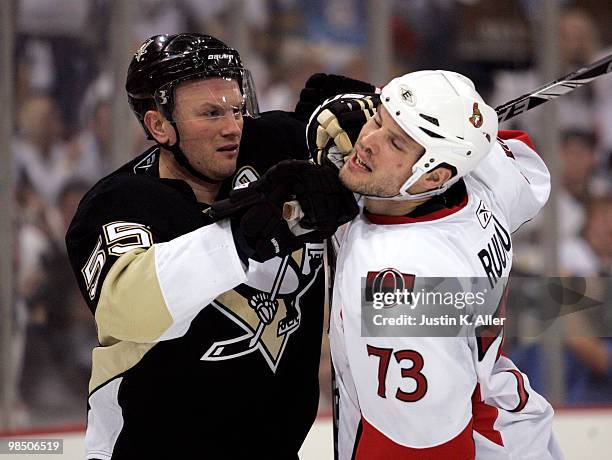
(229, 148)
(359, 163)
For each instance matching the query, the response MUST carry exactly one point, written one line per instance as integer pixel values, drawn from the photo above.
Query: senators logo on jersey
(387, 280)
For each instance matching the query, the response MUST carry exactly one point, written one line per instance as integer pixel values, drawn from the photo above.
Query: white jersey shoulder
(514, 176)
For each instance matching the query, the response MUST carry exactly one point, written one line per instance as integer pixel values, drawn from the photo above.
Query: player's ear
(434, 179)
(159, 127)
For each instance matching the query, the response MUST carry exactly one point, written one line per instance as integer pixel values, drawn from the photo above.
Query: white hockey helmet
(442, 111)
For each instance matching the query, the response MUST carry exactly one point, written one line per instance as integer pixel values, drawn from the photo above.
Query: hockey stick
(554, 89)
(505, 112)
(273, 294)
(535, 98)
(528, 101)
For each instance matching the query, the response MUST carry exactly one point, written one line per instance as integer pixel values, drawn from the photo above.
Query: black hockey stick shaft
(554, 89)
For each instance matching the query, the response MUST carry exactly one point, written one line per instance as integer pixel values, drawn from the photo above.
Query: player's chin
(349, 180)
(227, 155)
(224, 168)
(357, 184)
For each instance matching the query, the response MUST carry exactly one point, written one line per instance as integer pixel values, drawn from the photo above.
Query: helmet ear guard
(442, 112)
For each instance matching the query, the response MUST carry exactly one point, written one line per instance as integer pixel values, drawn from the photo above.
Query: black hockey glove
(260, 231)
(334, 127)
(325, 201)
(320, 87)
(256, 211)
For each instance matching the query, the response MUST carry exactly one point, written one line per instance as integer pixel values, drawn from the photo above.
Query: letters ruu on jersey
(496, 255)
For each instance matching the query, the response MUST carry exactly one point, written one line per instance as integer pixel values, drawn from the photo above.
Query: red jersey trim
(484, 417)
(522, 392)
(507, 134)
(379, 219)
(374, 445)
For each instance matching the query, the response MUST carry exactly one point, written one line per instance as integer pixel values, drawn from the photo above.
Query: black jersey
(198, 357)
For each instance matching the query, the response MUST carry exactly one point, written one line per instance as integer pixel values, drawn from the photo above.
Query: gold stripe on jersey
(108, 362)
(298, 256)
(131, 306)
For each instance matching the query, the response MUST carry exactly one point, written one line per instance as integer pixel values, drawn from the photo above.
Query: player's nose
(369, 142)
(232, 126)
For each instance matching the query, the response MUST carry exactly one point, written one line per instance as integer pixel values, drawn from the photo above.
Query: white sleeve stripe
(194, 269)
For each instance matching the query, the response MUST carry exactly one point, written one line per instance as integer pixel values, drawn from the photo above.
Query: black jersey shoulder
(141, 203)
(133, 193)
(165, 210)
(272, 137)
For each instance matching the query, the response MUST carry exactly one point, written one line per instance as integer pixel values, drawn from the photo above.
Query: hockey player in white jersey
(442, 194)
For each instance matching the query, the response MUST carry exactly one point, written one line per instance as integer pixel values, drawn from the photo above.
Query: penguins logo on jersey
(144, 164)
(267, 306)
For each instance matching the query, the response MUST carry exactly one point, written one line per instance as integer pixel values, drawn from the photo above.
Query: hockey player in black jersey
(200, 355)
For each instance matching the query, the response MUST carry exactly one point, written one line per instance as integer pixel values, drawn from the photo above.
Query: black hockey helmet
(163, 61)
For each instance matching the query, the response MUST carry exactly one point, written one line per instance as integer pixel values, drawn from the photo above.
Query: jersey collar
(149, 166)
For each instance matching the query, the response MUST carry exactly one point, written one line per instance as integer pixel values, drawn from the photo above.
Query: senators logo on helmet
(476, 119)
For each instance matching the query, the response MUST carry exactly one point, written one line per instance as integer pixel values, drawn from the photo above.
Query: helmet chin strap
(182, 160)
(403, 194)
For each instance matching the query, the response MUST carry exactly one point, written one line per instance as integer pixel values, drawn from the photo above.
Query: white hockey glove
(335, 125)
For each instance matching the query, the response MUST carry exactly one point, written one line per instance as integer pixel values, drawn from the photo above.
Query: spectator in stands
(578, 182)
(578, 165)
(578, 161)
(298, 60)
(58, 52)
(45, 161)
(60, 333)
(591, 254)
(40, 155)
(589, 334)
(586, 264)
(92, 147)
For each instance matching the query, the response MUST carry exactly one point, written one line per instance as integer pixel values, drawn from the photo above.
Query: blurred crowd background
(62, 137)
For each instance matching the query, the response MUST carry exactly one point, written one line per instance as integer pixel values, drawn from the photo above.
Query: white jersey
(440, 397)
